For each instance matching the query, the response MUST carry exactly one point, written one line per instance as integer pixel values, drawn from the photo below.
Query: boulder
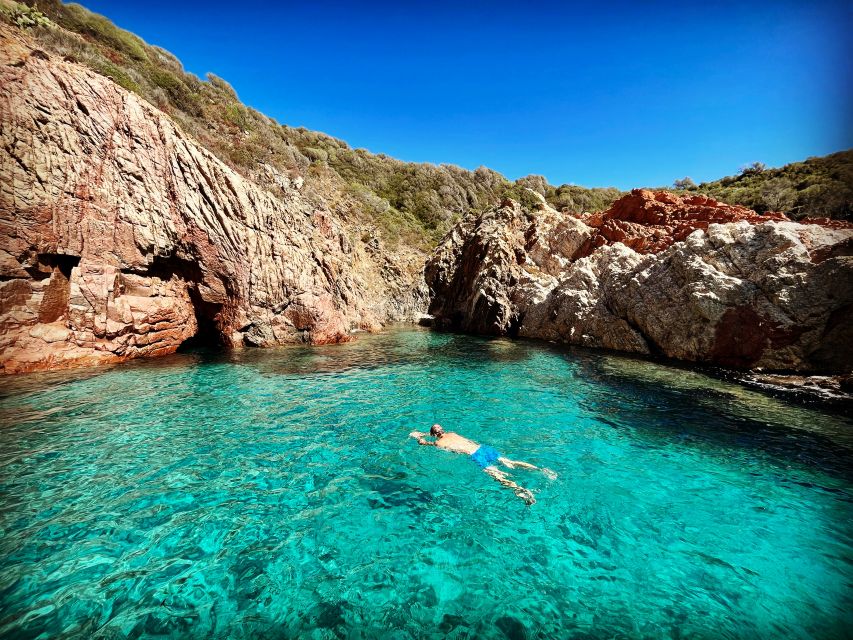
(686, 278)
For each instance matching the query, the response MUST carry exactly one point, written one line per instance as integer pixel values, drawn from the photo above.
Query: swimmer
(485, 456)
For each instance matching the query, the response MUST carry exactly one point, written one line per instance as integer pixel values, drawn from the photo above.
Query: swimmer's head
(436, 430)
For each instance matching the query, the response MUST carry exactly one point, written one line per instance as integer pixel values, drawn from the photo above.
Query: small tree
(778, 194)
(753, 169)
(685, 183)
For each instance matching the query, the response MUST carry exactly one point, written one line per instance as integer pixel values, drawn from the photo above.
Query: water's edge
(827, 392)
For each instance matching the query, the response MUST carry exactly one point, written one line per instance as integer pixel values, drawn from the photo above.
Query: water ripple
(269, 493)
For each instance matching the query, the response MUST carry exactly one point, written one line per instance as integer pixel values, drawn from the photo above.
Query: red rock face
(121, 237)
(650, 221)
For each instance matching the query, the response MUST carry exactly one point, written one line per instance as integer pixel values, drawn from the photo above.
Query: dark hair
(435, 429)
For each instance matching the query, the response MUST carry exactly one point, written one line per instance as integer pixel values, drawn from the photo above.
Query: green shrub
(179, 94)
(160, 56)
(316, 155)
(236, 114)
(23, 16)
(816, 187)
(222, 85)
(536, 183)
(79, 19)
(120, 77)
(580, 200)
(525, 196)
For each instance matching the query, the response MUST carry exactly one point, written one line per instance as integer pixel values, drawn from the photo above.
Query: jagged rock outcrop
(689, 278)
(649, 221)
(121, 237)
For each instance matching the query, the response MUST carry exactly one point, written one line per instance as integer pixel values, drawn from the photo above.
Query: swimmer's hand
(420, 438)
(549, 474)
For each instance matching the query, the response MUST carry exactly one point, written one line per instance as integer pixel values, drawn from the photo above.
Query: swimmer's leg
(517, 489)
(518, 464)
(512, 464)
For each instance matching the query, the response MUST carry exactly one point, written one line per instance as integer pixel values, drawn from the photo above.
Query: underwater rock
(512, 628)
(449, 622)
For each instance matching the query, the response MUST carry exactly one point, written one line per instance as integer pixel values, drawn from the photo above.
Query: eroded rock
(688, 278)
(121, 237)
(650, 221)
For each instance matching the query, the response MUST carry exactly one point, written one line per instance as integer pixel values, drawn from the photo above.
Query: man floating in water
(483, 455)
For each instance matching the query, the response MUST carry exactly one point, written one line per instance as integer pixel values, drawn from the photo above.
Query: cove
(275, 493)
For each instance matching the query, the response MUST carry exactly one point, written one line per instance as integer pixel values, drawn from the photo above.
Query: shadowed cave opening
(48, 263)
(57, 267)
(514, 325)
(208, 335)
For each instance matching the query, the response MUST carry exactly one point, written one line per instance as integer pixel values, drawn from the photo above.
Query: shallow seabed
(275, 493)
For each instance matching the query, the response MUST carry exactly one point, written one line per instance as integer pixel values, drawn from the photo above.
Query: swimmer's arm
(420, 438)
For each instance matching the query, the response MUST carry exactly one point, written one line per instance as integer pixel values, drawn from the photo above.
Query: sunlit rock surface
(689, 278)
(121, 237)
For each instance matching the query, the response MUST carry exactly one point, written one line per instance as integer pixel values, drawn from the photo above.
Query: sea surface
(276, 494)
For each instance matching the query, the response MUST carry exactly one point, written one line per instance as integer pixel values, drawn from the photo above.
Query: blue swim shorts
(485, 456)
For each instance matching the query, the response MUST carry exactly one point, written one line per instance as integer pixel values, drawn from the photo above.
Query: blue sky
(597, 94)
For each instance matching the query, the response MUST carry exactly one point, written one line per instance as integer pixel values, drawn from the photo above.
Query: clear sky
(591, 93)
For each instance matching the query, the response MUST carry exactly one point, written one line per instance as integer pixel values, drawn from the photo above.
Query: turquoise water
(275, 494)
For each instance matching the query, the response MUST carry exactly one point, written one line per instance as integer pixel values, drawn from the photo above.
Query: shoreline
(820, 390)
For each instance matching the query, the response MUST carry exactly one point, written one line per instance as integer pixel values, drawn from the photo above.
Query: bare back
(456, 443)
(450, 441)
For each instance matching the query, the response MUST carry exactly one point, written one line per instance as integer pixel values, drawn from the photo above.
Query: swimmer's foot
(525, 495)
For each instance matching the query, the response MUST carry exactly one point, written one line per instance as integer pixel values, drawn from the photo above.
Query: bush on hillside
(816, 187)
(76, 18)
(580, 200)
(23, 16)
(222, 85)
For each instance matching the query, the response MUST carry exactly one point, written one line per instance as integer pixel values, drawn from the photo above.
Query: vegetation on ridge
(816, 187)
(412, 204)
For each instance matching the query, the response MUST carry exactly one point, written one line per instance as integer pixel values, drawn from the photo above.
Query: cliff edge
(121, 237)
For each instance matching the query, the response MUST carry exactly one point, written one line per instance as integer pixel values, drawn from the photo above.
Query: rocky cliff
(690, 278)
(121, 237)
